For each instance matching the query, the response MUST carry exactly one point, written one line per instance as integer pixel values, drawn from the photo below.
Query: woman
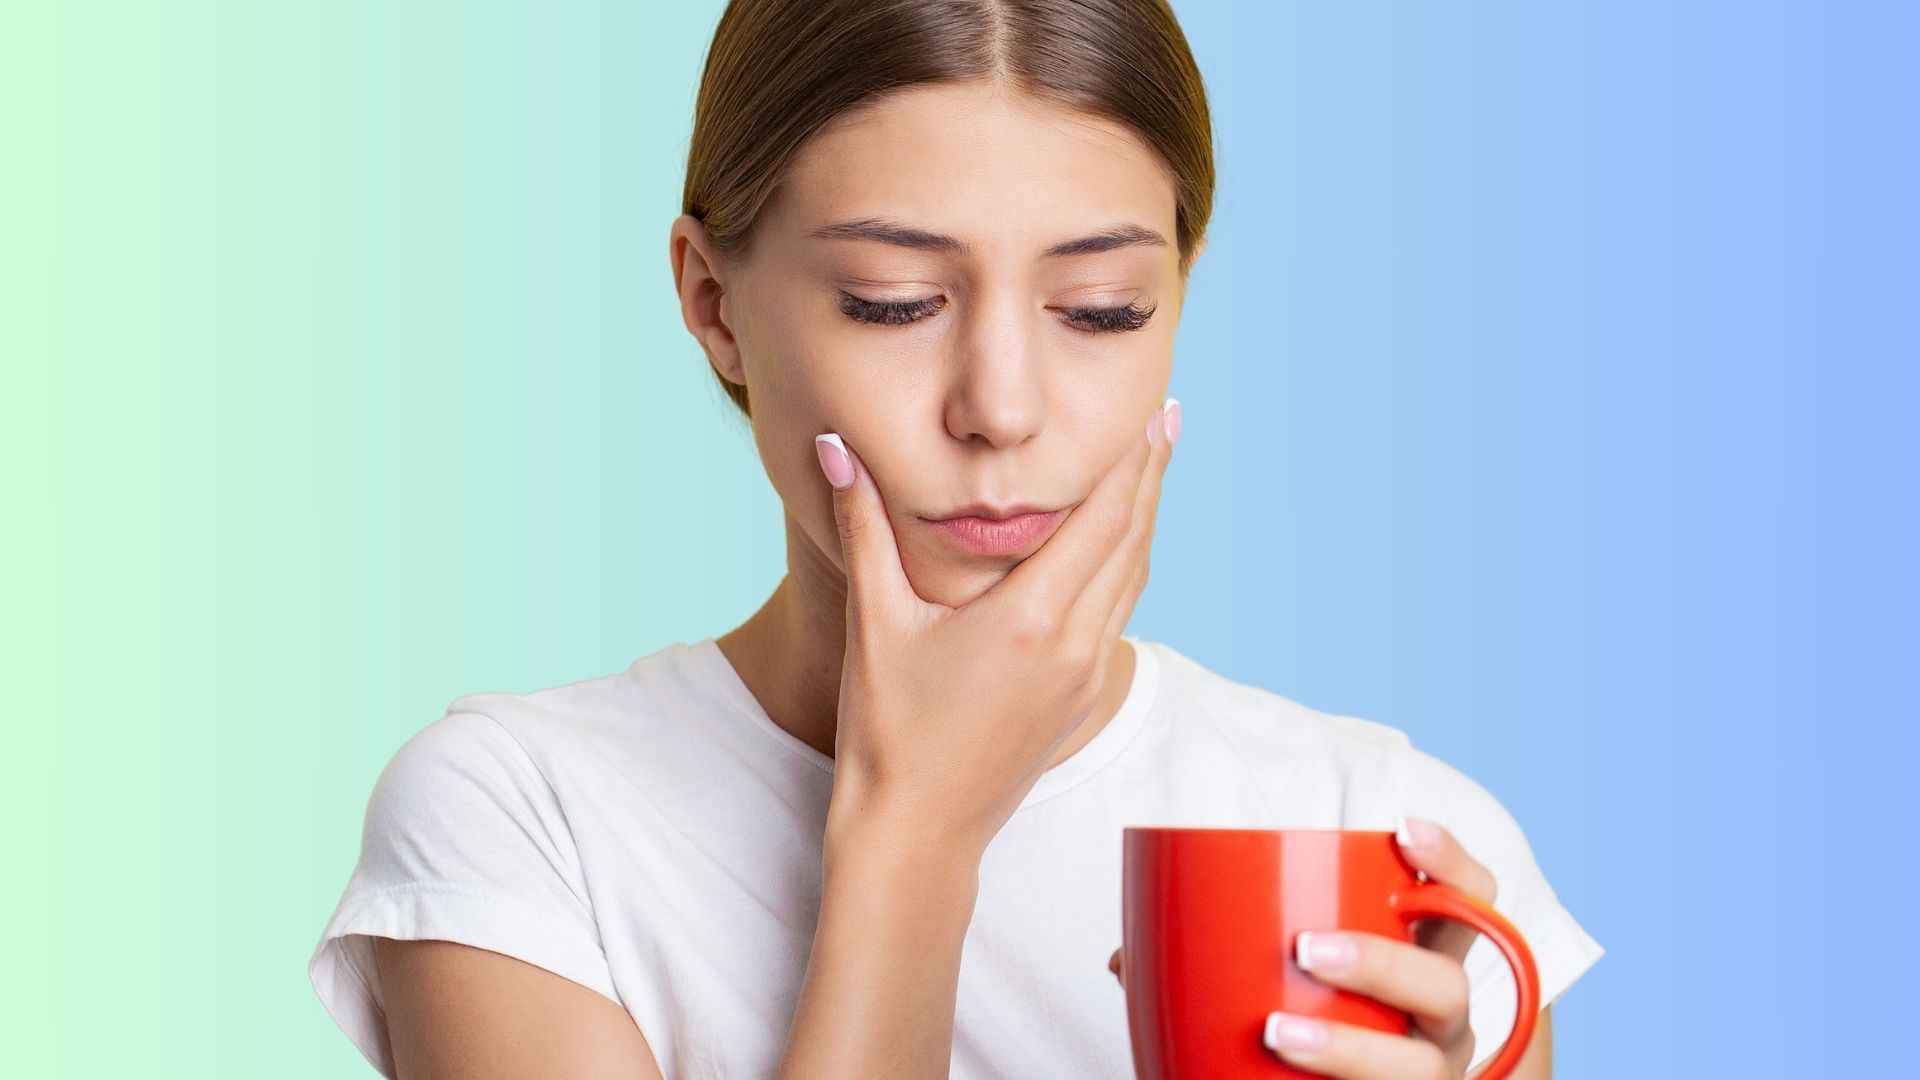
(936, 252)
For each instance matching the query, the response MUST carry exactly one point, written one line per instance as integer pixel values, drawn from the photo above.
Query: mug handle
(1434, 899)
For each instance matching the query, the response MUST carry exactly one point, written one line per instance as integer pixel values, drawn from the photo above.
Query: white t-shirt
(652, 834)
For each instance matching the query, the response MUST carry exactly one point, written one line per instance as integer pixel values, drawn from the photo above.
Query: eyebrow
(887, 231)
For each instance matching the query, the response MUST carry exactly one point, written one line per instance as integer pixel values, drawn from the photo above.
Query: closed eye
(1098, 320)
(889, 312)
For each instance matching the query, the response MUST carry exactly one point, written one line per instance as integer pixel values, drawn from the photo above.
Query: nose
(998, 389)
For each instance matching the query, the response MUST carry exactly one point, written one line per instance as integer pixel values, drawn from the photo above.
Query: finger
(1123, 611)
(1095, 606)
(875, 578)
(1433, 850)
(1050, 579)
(1113, 965)
(1353, 1053)
(1416, 980)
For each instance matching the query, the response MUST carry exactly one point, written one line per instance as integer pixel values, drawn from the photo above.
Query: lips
(1012, 534)
(994, 513)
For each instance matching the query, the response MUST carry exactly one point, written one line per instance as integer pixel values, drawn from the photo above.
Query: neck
(789, 653)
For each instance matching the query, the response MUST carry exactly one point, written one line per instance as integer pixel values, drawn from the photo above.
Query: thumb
(874, 574)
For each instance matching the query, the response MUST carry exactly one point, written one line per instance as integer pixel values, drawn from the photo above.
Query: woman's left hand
(1426, 980)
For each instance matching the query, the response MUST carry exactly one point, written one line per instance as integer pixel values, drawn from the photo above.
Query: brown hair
(778, 70)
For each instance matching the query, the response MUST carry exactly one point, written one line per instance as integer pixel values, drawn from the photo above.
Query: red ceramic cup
(1209, 918)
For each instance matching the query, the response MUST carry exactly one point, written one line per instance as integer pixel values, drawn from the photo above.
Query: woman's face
(994, 371)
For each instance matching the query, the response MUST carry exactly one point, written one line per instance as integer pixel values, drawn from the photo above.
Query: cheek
(1108, 415)
(792, 408)
(784, 438)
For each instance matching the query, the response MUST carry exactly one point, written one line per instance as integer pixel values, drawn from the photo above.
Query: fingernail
(1171, 410)
(1324, 952)
(835, 462)
(1415, 833)
(1288, 1032)
(1156, 429)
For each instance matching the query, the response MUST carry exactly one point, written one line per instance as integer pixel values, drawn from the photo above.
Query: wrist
(885, 881)
(881, 833)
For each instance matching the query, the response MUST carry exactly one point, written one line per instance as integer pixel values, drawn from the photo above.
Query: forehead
(1003, 171)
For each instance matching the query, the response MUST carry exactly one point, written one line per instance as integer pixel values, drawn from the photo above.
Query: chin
(953, 582)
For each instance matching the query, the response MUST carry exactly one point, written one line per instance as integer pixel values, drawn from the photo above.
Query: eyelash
(1097, 320)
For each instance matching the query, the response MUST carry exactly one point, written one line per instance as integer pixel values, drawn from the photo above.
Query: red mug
(1209, 918)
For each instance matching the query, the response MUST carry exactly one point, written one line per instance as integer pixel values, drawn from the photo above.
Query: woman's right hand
(948, 716)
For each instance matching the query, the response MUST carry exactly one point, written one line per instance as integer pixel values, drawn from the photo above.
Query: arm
(1537, 1063)
(457, 1010)
(878, 998)
(461, 811)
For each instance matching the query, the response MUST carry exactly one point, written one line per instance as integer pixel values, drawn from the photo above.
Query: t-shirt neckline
(1099, 751)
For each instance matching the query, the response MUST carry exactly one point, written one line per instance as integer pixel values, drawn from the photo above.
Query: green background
(352, 380)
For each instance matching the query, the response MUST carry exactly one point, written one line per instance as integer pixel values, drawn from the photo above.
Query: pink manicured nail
(1171, 410)
(834, 460)
(1416, 834)
(1288, 1032)
(1330, 953)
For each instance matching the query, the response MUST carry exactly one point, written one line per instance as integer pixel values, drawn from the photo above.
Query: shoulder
(618, 699)
(461, 792)
(490, 734)
(1245, 710)
(463, 751)
(1376, 768)
(494, 752)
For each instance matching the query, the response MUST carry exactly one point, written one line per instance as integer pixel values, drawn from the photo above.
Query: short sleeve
(465, 841)
(1562, 948)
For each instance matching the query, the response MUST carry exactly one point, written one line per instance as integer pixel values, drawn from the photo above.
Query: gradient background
(1549, 388)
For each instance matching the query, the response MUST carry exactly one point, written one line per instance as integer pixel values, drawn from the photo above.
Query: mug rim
(1250, 829)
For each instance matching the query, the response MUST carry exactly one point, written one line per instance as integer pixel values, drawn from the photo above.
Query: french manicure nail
(1414, 833)
(834, 460)
(1330, 953)
(1288, 1032)
(1171, 410)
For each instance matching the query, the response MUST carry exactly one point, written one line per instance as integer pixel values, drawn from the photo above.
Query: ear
(697, 271)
